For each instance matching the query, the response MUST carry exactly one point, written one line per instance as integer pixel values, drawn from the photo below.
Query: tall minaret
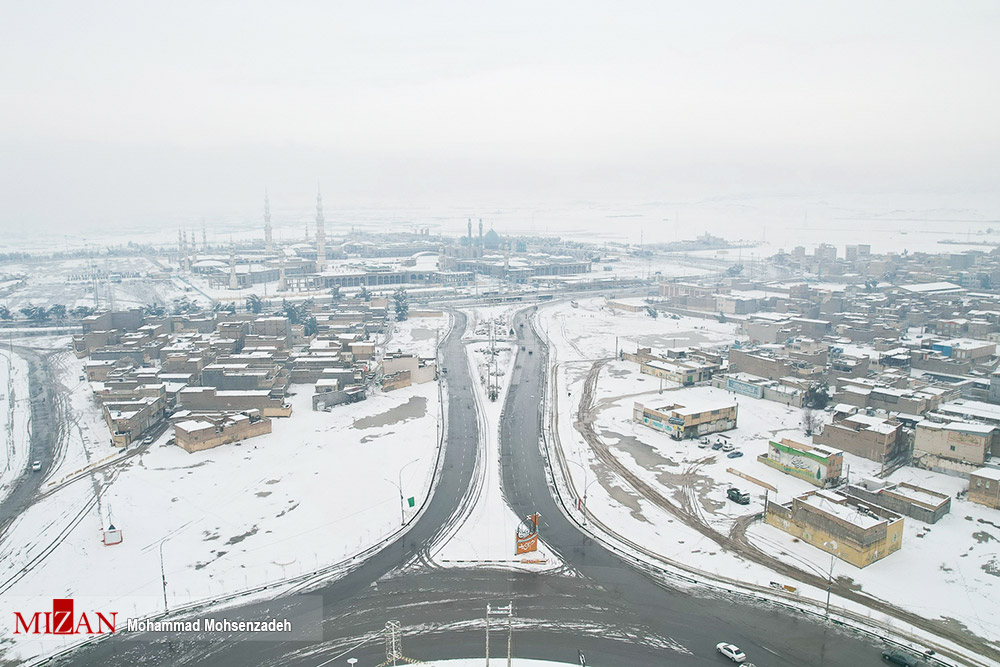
(204, 236)
(320, 234)
(180, 244)
(232, 266)
(480, 232)
(268, 245)
(470, 232)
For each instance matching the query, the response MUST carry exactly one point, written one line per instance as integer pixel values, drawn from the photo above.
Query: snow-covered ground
(68, 282)
(486, 532)
(322, 487)
(956, 559)
(15, 411)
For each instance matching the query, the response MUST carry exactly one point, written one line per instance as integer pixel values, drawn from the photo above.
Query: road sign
(411, 501)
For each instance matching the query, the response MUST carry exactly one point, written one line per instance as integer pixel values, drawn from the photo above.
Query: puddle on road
(414, 408)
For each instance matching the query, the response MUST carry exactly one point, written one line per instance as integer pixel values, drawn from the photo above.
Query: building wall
(865, 443)
(901, 504)
(686, 426)
(199, 440)
(799, 461)
(823, 531)
(952, 444)
(208, 400)
(984, 490)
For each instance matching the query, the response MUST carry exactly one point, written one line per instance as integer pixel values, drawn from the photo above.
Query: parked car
(36, 466)
(728, 447)
(703, 445)
(717, 445)
(734, 455)
(903, 658)
(737, 496)
(731, 652)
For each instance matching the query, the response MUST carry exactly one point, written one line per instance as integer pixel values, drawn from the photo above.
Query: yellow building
(841, 525)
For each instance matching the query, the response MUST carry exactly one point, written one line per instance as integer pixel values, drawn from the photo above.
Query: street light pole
(829, 584)
(163, 577)
(399, 487)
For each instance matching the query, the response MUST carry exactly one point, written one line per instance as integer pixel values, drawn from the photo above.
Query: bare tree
(812, 421)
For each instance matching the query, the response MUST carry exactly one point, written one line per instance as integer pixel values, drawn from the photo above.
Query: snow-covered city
(533, 335)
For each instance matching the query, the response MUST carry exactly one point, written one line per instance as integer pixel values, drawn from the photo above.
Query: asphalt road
(44, 435)
(597, 604)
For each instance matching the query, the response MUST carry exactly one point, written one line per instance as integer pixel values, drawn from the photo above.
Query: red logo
(62, 621)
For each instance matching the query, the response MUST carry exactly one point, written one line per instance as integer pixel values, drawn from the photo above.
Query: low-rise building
(821, 466)
(960, 441)
(204, 432)
(210, 399)
(863, 435)
(688, 421)
(984, 487)
(906, 499)
(840, 525)
(420, 370)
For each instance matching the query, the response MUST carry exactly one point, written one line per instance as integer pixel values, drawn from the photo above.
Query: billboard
(526, 535)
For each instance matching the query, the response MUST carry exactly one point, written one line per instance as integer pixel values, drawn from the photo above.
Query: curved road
(597, 603)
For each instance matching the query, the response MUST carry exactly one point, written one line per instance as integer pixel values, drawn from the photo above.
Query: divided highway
(597, 603)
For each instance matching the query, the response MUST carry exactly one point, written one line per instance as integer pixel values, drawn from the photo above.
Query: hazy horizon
(152, 116)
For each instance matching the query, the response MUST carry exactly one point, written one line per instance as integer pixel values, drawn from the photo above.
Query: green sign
(410, 501)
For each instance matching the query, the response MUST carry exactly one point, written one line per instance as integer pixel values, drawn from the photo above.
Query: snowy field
(956, 559)
(67, 282)
(15, 411)
(322, 487)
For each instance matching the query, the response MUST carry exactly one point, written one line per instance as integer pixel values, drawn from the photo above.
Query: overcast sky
(118, 111)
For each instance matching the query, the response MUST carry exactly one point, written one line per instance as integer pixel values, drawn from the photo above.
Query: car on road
(734, 455)
(36, 466)
(148, 440)
(730, 651)
(903, 658)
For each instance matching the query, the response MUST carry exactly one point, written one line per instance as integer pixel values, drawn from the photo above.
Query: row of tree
(56, 312)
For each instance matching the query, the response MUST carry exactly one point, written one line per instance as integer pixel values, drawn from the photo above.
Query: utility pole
(507, 611)
(163, 577)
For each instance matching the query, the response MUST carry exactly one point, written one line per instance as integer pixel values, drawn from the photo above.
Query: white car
(731, 652)
(36, 466)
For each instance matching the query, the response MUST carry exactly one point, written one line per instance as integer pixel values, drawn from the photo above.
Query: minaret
(232, 266)
(480, 232)
(204, 236)
(320, 235)
(470, 232)
(268, 245)
(180, 244)
(282, 282)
